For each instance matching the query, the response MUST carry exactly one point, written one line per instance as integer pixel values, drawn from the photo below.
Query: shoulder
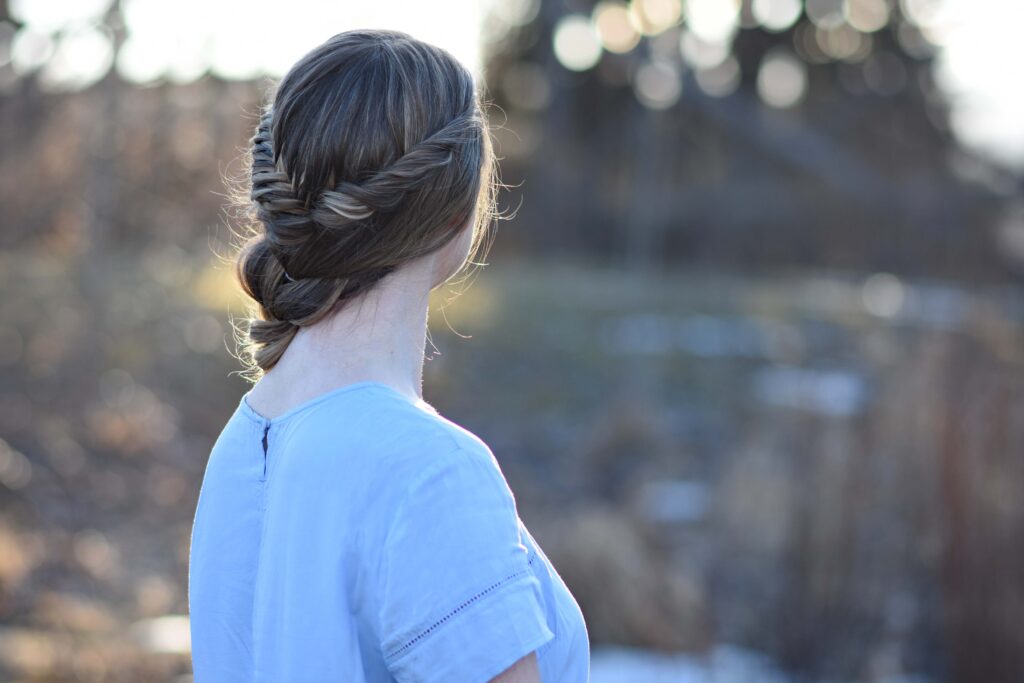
(446, 456)
(402, 440)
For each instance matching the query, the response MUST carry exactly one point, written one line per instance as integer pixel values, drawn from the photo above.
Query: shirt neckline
(250, 412)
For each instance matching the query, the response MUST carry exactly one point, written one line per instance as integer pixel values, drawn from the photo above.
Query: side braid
(385, 189)
(292, 222)
(285, 215)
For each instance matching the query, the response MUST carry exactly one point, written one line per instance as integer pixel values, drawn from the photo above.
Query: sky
(979, 65)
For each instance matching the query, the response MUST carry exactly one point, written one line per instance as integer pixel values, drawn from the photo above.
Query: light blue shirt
(371, 540)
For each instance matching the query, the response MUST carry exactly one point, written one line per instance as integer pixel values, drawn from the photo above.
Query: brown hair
(374, 151)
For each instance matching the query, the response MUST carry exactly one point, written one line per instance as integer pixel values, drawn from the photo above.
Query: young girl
(345, 530)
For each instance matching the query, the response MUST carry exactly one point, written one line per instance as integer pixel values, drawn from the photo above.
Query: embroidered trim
(467, 603)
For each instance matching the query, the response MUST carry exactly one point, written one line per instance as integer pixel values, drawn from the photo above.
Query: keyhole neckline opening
(268, 422)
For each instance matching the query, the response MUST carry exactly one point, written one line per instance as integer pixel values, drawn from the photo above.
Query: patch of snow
(723, 664)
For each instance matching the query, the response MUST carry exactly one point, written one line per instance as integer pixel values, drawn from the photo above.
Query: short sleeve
(458, 598)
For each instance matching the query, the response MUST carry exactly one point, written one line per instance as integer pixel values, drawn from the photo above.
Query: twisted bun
(373, 152)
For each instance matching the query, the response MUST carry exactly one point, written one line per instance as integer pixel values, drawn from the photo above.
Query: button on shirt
(362, 536)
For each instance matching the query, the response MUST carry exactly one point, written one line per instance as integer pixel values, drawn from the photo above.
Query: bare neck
(379, 336)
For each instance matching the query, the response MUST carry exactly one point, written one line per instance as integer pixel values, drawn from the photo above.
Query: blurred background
(749, 348)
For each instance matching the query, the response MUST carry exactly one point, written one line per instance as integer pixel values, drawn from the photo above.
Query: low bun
(286, 305)
(373, 152)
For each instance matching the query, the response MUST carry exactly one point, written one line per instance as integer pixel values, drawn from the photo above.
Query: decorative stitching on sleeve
(465, 604)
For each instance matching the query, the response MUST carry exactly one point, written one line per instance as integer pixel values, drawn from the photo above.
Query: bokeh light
(781, 79)
(651, 17)
(615, 26)
(843, 42)
(658, 84)
(883, 295)
(807, 46)
(53, 15)
(516, 12)
(701, 53)
(80, 58)
(866, 15)
(713, 20)
(721, 79)
(31, 49)
(922, 12)
(825, 13)
(776, 15)
(577, 45)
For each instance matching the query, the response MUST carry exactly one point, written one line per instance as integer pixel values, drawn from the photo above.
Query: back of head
(373, 152)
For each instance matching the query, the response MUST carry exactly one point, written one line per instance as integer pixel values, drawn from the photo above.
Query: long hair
(374, 151)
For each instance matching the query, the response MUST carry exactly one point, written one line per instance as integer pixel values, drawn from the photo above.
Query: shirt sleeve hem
(480, 641)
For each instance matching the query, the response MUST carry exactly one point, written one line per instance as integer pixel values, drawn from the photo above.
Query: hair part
(373, 151)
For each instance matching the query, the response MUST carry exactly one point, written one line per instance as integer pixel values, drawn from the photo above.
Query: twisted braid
(293, 221)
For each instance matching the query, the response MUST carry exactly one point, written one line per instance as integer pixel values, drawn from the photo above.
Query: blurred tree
(732, 138)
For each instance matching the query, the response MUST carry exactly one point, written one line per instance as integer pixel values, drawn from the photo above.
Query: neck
(380, 336)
